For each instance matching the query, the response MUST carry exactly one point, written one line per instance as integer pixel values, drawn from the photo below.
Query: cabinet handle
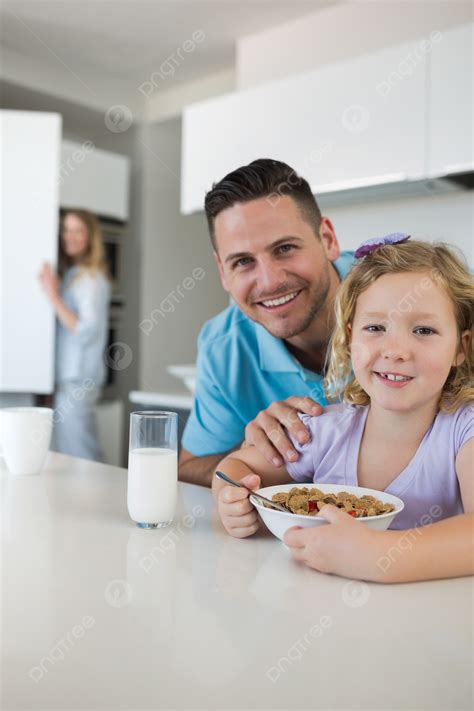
(359, 183)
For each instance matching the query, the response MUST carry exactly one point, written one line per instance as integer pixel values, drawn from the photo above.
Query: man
(280, 261)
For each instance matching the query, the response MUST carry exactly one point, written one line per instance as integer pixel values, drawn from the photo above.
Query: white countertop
(99, 614)
(182, 401)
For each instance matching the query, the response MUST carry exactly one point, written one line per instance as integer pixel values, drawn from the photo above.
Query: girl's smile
(394, 380)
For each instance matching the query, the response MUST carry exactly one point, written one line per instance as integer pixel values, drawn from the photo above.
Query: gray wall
(444, 217)
(174, 305)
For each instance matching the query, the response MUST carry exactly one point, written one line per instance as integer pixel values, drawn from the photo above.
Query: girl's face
(404, 340)
(74, 236)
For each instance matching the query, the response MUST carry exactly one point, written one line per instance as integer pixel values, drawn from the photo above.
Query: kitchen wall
(169, 101)
(447, 218)
(179, 288)
(339, 32)
(348, 30)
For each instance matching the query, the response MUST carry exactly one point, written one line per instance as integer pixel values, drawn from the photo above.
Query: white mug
(25, 435)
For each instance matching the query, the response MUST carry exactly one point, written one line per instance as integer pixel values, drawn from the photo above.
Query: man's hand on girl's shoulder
(268, 432)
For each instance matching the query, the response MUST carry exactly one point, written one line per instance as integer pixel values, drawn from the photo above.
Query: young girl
(80, 302)
(401, 357)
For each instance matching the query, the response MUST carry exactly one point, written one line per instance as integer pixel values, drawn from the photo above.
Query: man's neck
(310, 347)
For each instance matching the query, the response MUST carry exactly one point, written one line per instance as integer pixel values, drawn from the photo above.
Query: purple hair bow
(371, 245)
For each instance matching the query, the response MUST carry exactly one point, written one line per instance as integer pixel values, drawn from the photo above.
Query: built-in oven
(113, 352)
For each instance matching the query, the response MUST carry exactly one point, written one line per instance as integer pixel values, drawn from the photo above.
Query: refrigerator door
(30, 144)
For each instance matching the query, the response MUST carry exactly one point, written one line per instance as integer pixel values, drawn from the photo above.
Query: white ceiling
(128, 39)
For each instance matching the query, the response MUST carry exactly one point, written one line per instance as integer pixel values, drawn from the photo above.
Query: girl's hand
(346, 547)
(237, 514)
(49, 281)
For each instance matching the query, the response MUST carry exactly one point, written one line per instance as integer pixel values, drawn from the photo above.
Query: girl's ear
(461, 355)
(349, 332)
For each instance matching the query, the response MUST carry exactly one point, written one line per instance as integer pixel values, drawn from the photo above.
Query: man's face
(273, 264)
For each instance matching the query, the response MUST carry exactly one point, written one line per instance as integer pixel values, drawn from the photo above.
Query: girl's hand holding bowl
(345, 547)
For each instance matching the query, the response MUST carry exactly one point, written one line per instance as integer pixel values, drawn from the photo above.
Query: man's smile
(278, 303)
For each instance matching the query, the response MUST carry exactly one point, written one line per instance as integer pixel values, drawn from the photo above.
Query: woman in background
(80, 298)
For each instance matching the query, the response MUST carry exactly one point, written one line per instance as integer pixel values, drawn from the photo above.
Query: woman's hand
(346, 547)
(267, 431)
(237, 514)
(50, 282)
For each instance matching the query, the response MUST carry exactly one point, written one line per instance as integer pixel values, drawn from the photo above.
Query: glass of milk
(153, 468)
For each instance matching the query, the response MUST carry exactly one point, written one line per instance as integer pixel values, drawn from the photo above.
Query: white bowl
(278, 522)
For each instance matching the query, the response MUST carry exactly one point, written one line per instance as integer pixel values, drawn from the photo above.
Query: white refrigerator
(30, 144)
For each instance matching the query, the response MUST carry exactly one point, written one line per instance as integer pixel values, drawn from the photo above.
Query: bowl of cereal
(375, 509)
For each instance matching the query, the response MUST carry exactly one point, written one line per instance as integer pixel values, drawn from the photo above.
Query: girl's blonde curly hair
(438, 263)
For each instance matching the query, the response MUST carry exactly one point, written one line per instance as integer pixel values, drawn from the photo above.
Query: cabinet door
(343, 126)
(451, 103)
(30, 144)
(94, 180)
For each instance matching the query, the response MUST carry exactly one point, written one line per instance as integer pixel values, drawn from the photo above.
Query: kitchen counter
(98, 614)
(181, 401)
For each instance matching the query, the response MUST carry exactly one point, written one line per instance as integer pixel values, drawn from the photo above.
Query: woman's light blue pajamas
(80, 365)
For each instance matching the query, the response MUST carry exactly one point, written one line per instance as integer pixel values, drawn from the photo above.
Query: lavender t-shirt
(428, 485)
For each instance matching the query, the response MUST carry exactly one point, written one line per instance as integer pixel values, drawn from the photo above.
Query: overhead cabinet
(94, 179)
(451, 97)
(360, 124)
(338, 126)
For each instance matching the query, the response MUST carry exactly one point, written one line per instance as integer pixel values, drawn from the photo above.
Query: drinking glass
(153, 468)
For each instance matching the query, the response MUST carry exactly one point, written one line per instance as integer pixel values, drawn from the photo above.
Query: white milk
(152, 484)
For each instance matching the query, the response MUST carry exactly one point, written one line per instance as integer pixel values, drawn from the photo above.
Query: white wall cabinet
(29, 148)
(95, 180)
(345, 125)
(451, 98)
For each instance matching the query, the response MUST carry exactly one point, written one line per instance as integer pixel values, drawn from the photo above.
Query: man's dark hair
(261, 178)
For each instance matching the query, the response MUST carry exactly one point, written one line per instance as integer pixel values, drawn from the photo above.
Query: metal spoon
(259, 497)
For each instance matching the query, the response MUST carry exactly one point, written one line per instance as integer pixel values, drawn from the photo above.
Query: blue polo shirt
(242, 369)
